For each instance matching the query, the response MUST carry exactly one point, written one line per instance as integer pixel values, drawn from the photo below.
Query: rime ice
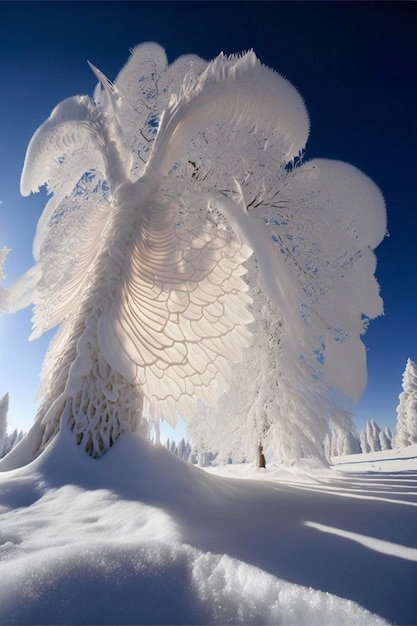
(163, 185)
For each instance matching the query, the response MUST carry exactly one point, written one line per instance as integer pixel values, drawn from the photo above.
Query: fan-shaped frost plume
(312, 235)
(325, 220)
(163, 185)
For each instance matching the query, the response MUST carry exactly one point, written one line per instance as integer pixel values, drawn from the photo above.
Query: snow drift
(140, 536)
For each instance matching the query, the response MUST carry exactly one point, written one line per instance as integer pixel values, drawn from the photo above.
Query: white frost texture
(162, 186)
(407, 407)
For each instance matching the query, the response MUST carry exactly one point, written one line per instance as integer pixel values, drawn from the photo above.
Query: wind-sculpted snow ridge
(164, 184)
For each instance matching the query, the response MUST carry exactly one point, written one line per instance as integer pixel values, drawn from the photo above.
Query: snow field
(140, 536)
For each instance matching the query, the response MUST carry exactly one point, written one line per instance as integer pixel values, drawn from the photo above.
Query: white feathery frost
(162, 186)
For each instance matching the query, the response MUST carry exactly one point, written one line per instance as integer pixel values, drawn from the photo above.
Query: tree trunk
(261, 456)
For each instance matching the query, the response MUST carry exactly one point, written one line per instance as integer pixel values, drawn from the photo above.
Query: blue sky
(354, 63)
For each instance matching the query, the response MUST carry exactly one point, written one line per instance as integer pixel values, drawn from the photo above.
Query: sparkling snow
(139, 536)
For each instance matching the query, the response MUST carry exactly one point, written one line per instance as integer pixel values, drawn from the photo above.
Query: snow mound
(158, 583)
(139, 536)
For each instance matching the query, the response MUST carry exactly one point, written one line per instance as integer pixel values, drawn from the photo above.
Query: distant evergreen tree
(372, 435)
(184, 450)
(180, 448)
(351, 443)
(407, 408)
(341, 443)
(12, 440)
(187, 451)
(364, 442)
(384, 440)
(388, 433)
(375, 439)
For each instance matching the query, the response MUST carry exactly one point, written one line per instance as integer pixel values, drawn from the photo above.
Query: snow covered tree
(341, 442)
(279, 402)
(407, 408)
(4, 408)
(351, 443)
(374, 439)
(180, 449)
(373, 431)
(364, 442)
(11, 441)
(187, 451)
(388, 433)
(271, 407)
(163, 185)
(385, 439)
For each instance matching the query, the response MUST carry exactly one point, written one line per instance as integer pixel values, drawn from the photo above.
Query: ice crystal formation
(162, 186)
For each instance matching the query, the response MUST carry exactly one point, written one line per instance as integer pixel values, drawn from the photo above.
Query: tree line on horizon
(372, 438)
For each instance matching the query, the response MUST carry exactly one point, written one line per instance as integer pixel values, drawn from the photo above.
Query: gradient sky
(354, 63)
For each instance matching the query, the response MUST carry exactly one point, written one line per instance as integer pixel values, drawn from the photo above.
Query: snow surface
(140, 536)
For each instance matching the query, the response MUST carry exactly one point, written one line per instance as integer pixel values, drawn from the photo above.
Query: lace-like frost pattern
(163, 185)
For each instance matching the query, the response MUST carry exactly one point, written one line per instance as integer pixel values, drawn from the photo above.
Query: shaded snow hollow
(139, 536)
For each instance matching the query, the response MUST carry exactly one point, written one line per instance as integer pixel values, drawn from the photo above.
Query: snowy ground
(140, 536)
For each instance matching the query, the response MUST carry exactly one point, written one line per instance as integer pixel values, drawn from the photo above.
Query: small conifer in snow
(407, 408)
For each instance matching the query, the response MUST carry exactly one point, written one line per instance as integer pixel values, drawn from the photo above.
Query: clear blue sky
(355, 64)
